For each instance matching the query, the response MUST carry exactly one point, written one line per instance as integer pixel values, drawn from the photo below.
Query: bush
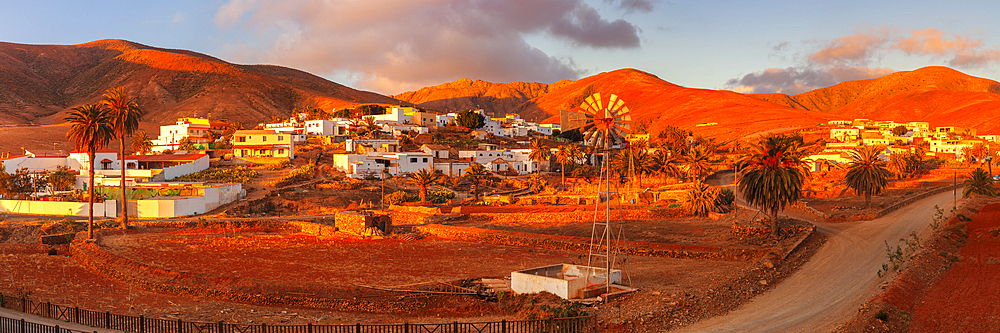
(302, 173)
(397, 198)
(282, 165)
(439, 197)
(726, 198)
(231, 175)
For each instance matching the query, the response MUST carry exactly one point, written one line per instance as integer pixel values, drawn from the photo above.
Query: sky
(393, 46)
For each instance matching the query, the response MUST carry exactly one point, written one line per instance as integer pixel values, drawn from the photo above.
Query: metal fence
(140, 324)
(10, 325)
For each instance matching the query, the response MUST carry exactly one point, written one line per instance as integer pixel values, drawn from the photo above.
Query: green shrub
(230, 175)
(440, 196)
(726, 198)
(282, 165)
(302, 173)
(882, 315)
(396, 198)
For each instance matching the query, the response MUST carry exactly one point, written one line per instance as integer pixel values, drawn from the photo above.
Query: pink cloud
(963, 50)
(395, 45)
(854, 49)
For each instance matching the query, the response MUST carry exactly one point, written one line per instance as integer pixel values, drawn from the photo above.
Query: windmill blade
(570, 120)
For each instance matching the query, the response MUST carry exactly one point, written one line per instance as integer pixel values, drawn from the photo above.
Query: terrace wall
(108, 208)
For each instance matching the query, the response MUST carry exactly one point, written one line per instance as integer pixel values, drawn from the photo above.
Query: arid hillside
(495, 98)
(939, 95)
(39, 83)
(656, 103)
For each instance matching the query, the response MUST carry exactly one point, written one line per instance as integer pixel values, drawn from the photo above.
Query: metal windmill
(604, 127)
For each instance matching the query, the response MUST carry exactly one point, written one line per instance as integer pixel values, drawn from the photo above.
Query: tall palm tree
(701, 199)
(538, 153)
(125, 115)
(141, 143)
(866, 174)
(423, 178)
(562, 156)
(475, 173)
(665, 164)
(773, 175)
(91, 128)
(370, 125)
(699, 159)
(979, 182)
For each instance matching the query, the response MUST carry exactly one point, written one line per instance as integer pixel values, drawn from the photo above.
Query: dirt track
(831, 287)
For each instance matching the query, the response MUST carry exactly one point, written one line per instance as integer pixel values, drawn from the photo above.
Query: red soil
(966, 298)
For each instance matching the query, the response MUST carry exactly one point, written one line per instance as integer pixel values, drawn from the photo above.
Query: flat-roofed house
(263, 143)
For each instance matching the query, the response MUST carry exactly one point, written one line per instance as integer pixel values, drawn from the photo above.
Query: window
(281, 151)
(425, 160)
(281, 138)
(263, 138)
(413, 160)
(241, 139)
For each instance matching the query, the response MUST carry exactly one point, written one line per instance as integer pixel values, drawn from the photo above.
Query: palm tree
(562, 156)
(476, 172)
(125, 115)
(699, 159)
(866, 174)
(665, 163)
(423, 178)
(370, 125)
(538, 153)
(773, 175)
(141, 143)
(979, 182)
(700, 199)
(91, 128)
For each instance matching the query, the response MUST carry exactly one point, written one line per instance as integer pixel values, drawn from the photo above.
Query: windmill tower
(603, 125)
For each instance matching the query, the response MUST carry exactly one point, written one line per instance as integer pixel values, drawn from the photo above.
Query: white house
(191, 128)
(374, 163)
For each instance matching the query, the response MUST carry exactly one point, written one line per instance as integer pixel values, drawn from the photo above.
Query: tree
(773, 176)
(17, 185)
(91, 127)
(125, 114)
(62, 179)
(342, 113)
(698, 161)
(539, 153)
(370, 125)
(371, 109)
(701, 199)
(423, 178)
(537, 183)
(141, 143)
(186, 144)
(899, 130)
(470, 119)
(866, 174)
(565, 154)
(665, 163)
(476, 173)
(979, 182)
(572, 135)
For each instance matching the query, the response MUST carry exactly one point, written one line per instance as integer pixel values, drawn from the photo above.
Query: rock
(768, 263)
(763, 282)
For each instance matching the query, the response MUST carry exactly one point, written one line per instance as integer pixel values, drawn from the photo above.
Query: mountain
(655, 103)
(495, 98)
(939, 95)
(40, 83)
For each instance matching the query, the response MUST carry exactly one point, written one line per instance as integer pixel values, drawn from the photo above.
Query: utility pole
(954, 203)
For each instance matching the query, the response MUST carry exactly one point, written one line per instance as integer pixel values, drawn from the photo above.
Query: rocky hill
(39, 83)
(495, 98)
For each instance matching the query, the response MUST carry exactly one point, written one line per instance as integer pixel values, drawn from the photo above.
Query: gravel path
(829, 289)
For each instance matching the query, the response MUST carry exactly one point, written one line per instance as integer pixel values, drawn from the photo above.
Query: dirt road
(830, 288)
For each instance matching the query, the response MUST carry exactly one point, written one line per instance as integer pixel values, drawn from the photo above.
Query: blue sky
(391, 46)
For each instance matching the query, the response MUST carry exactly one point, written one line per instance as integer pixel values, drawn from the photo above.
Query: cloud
(392, 45)
(851, 50)
(179, 17)
(793, 80)
(963, 50)
(855, 57)
(633, 6)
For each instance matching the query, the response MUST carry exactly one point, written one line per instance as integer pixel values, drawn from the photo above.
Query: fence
(140, 324)
(10, 325)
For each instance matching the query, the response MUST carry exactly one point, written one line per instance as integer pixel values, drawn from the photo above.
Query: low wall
(582, 244)
(186, 168)
(578, 215)
(108, 208)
